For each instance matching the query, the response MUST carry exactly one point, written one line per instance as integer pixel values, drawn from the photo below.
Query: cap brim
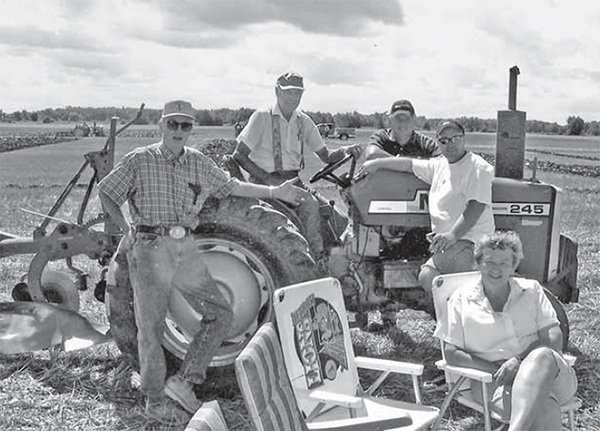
(290, 87)
(178, 114)
(449, 126)
(400, 112)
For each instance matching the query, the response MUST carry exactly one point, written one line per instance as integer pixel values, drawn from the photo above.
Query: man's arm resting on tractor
(240, 155)
(398, 164)
(286, 191)
(375, 152)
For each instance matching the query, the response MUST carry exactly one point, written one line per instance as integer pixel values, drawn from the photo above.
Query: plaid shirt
(163, 189)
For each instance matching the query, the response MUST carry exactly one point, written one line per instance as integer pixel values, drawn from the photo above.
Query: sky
(451, 58)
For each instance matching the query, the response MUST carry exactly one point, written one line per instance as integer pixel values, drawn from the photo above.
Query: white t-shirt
(258, 137)
(452, 186)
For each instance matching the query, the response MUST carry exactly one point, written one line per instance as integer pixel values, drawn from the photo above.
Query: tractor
(253, 247)
(329, 130)
(83, 130)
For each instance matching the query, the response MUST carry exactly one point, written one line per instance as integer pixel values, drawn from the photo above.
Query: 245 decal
(521, 208)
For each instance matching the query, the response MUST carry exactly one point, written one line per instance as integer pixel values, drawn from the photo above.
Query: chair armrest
(389, 365)
(342, 400)
(471, 373)
(570, 359)
(400, 420)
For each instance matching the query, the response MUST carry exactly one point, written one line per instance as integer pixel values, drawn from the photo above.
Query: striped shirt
(163, 189)
(418, 145)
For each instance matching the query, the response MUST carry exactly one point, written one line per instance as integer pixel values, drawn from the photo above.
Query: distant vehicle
(328, 130)
(238, 127)
(83, 130)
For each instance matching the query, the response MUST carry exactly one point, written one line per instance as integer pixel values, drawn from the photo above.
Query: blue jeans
(458, 257)
(157, 266)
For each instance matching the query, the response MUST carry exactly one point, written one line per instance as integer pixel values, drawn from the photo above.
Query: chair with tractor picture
(459, 378)
(303, 375)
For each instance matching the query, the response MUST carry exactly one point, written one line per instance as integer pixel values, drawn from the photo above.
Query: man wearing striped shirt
(401, 139)
(166, 185)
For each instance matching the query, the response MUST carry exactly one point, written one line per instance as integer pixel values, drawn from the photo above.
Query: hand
(507, 372)
(289, 193)
(355, 150)
(127, 240)
(441, 241)
(368, 167)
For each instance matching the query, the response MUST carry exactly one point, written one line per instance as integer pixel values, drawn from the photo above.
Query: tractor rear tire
(251, 250)
(80, 131)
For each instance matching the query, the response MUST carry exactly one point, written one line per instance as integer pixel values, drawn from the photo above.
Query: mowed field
(95, 389)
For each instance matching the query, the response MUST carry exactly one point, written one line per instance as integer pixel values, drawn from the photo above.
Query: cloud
(348, 18)
(181, 39)
(92, 66)
(594, 76)
(449, 58)
(327, 71)
(522, 41)
(78, 9)
(32, 37)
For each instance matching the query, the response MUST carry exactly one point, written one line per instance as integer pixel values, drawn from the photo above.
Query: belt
(176, 232)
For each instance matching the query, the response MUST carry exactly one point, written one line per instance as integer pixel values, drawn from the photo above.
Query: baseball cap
(290, 80)
(450, 124)
(402, 105)
(178, 107)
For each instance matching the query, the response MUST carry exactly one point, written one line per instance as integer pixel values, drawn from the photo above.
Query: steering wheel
(326, 173)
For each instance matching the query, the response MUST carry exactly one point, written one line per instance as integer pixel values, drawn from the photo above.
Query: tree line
(575, 125)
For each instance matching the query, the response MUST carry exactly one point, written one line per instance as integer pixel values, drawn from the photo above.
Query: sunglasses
(174, 125)
(453, 139)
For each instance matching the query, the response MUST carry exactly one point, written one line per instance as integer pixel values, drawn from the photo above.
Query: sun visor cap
(178, 107)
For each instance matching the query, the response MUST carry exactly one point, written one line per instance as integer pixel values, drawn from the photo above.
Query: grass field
(95, 389)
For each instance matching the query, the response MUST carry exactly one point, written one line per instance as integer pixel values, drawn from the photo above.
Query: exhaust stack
(510, 135)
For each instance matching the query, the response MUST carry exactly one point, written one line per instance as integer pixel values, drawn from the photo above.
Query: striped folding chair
(282, 373)
(264, 383)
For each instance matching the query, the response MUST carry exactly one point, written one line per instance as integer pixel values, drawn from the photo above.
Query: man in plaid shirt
(166, 185)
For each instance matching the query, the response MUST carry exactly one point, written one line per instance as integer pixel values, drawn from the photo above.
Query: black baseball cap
(450, 124)
(402, 105)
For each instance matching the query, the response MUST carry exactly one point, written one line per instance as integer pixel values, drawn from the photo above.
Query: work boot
(165, 411)
(181, 391)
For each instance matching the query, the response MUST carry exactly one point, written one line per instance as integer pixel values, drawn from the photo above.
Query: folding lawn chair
(320, 363)
(458, 378)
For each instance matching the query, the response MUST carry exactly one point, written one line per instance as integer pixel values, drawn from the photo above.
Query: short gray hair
(500, 240)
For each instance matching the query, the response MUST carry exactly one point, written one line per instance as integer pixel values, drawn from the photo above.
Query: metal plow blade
(32, 326)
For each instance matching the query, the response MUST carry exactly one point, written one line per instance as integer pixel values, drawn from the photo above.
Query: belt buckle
(177, 232)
